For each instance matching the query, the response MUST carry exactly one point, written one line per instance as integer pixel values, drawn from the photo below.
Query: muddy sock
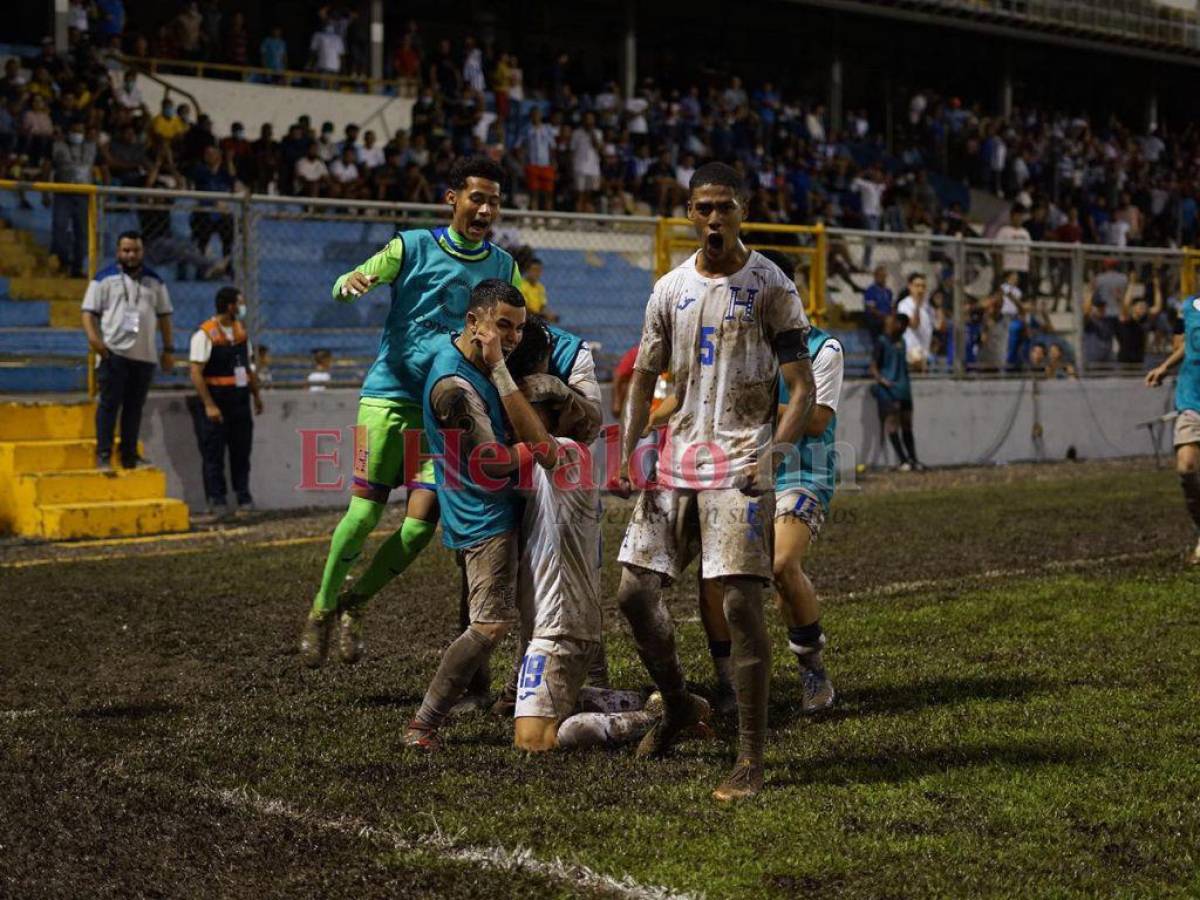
(895, 440)
(910, 444)
(806, 642)
(751, 663)
(722, 661)
(1190, 482)
(640, 600)
(598, 670)
(605, 700)
(460, 662)
(603, 730)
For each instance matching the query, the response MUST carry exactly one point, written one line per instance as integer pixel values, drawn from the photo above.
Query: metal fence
(285, 254)
(979, 288)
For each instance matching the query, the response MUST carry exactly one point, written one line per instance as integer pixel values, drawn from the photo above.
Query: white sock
(606, 700)
(603, 730)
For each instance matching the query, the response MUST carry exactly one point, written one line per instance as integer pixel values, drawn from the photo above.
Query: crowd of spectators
(600, 150)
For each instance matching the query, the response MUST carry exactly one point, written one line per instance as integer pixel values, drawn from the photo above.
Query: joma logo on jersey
(743, 297)
(685, 303)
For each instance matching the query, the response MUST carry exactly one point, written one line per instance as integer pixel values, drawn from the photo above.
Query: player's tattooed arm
(458, 407)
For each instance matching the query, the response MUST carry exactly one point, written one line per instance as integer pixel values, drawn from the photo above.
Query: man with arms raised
(726, 323)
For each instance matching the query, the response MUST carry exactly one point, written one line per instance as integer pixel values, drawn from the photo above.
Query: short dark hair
(717, 173)
(784, 262)
(131, 235)
(226, 296)
(534, 349)
(913, 276)
(491, 291)
(474, 167)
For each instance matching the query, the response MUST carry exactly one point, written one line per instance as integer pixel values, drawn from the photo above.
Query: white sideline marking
(1054, 565)
(448, 847)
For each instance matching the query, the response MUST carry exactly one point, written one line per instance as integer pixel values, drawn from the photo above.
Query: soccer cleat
(351, 625)
(904, 467)
(419, 737)
(504, 707)
(314, 642)
(690, 719)
(818, 694)
(744, 781)
(1194, 559)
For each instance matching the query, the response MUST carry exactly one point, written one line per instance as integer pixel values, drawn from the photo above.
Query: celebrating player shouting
(431, 273)
(725, 323)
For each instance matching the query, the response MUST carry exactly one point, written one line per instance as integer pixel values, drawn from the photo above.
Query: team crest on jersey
(742, 297)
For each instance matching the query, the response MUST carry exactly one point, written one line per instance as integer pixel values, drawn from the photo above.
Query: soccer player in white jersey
(559, 584)
(804, 487)
(726, 323)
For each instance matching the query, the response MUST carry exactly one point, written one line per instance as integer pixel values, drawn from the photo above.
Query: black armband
(791, 346)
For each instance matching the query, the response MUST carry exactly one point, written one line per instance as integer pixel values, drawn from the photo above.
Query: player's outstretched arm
(382, 268)
(1156, 375)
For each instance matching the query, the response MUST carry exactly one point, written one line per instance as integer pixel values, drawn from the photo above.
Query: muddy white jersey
(560, 561)
(715, 336)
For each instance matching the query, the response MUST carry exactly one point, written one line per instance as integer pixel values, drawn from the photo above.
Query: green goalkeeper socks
(346, 546)
(394, 556)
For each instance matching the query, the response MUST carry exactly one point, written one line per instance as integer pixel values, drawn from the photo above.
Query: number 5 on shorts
(708, 350)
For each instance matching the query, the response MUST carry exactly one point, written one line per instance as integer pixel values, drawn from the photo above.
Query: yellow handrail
(406, 86)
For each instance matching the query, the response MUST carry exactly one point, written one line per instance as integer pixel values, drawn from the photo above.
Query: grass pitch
(1017, 655)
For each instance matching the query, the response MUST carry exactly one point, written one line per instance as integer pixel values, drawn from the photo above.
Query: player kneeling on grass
(559, 583)
(1187, 404)
(468, 396)
(804, 485)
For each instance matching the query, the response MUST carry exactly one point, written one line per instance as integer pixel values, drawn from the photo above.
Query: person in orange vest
(225, 382)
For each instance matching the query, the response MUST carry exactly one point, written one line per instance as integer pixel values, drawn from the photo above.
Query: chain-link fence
(995, 308)
(1011, 308)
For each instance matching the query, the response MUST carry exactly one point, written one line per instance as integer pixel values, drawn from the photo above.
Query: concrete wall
(226, 102)
(956, 423)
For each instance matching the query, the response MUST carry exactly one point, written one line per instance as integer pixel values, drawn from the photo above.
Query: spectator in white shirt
(587, 143)
(327, 49)
(1015, 259)
(370, 155)
(685, 170)
(129, 95)
(473, 66)
(918, 337)
(312, 175)
(539, 140)
(347, 179)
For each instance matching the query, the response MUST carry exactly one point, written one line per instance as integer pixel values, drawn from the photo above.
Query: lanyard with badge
(130, 319)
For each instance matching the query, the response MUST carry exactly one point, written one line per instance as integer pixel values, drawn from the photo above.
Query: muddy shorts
(552, 674)
(491, 569)
(800, 504)
(731, 532)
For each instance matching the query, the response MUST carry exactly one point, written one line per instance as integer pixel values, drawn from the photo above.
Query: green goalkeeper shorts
(385, 457)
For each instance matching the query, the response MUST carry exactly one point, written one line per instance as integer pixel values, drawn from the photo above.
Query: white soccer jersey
(715, 337)
(560, 561)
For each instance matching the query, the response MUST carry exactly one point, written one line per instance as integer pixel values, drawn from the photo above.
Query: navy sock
(720, 649)
(805, 635)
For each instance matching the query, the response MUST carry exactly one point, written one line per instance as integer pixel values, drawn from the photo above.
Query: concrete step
(26, 457)
(120, 518)
(25, 378)
(89, 486)
(46, 421)
(24, 314)
(39, 287)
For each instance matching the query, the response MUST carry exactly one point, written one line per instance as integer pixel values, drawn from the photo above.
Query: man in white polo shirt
(122, 305)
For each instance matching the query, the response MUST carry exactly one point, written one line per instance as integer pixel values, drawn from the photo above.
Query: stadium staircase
(50, 489)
